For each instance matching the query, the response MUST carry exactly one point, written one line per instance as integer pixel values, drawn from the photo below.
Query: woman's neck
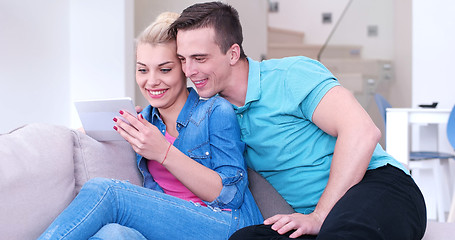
(170, 114)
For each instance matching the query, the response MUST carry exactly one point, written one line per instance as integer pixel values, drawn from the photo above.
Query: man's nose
(189, 69)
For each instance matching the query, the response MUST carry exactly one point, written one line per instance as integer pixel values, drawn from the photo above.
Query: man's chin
(205, 93)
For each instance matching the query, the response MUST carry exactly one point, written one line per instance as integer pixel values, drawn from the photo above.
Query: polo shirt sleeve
(308, 81)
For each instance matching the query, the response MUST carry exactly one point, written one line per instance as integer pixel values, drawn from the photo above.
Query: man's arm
(340, 115)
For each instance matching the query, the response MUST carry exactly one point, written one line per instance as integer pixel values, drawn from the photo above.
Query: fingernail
(115, 119)
(142, 117)
(121, 112)
(115, 128)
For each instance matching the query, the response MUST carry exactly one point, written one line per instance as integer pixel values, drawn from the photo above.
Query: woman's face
(159, 75)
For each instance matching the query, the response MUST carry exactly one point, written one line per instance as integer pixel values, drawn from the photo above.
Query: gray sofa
(43, 167)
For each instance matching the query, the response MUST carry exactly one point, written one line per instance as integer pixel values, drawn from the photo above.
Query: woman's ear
(234, 53)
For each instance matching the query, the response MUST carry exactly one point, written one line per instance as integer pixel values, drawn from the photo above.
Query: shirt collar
(253, 92)
(150, 113)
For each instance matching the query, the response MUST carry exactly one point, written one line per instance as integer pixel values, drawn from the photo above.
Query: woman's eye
(141, 70)
(165, 70)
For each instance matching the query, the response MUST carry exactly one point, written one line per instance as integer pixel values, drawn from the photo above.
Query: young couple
(304, 133)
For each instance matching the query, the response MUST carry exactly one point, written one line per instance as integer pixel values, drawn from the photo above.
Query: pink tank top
(168, 182)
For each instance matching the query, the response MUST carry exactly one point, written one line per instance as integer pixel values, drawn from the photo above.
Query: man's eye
(200, 59)
(182, 60)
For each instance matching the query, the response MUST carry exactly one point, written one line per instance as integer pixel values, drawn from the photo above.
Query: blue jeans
(114, 231)
(153, 214)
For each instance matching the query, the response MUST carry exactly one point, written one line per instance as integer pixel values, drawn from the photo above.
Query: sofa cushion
(36, 179)
(113, 159)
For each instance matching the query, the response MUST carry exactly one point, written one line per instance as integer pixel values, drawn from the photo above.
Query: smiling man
(306, 134)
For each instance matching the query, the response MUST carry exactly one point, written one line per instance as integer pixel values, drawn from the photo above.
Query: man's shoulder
(286, 63)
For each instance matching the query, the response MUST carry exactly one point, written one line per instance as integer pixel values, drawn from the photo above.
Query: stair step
(278, 35)
(279, 50)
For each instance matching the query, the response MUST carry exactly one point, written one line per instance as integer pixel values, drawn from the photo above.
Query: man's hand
(302, 224)
(138, 109)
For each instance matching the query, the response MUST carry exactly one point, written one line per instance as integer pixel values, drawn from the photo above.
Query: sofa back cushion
(114, 159)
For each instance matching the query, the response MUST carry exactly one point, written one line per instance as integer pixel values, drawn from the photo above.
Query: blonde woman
(189, 152)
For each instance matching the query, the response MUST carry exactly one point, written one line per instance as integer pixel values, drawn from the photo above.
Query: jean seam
(89, 213)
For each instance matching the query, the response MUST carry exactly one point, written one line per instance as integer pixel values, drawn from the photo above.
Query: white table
(398, 136)
(398, 122)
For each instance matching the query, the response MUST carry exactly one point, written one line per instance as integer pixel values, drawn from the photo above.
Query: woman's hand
(302, 224)
(144, 137)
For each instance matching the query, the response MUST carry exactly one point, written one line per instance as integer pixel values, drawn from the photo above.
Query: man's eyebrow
(194, 55)
(199, 55)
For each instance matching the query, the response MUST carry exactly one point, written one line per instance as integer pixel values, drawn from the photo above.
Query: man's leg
(116, 231)
(262, 232)
(386, 204)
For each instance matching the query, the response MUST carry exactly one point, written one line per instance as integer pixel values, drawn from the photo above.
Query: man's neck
(235, 91)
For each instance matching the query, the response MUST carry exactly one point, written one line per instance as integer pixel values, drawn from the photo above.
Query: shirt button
(241, 115)
(163, 131)
(207, 153)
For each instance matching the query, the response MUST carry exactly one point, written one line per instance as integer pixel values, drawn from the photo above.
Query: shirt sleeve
(308, 81)
(227, 155)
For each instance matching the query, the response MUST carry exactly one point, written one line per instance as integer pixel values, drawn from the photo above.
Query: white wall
(432, 52)
(34, 62)
(306, 16)
(102, 50)
(54, 52)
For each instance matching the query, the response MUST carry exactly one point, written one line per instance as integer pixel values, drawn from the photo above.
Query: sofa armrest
(269, 201)
(36, 179)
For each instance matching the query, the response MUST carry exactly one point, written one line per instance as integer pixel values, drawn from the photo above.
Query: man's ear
(234, 53)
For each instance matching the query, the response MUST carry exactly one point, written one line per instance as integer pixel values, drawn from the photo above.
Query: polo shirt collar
(253, 92)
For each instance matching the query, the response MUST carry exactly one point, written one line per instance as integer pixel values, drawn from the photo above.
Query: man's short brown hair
(223, 18)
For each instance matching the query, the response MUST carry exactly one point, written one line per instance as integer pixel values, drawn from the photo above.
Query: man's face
(202, 60)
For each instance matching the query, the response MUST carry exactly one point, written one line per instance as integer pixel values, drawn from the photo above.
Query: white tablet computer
(97, 116)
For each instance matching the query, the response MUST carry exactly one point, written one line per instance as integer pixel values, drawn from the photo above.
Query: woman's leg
(114, 231)
(155, 215)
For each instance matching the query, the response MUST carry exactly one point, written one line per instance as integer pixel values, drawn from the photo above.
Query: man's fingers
(138, 109)
(272, 219)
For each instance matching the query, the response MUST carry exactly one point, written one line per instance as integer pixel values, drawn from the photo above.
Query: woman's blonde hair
(158, 31)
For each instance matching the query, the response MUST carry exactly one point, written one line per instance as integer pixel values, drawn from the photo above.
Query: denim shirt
(209, 134)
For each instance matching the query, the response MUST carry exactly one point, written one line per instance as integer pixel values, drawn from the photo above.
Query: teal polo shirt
(283, 144)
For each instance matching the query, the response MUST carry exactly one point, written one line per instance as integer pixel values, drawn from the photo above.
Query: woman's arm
(149, 142)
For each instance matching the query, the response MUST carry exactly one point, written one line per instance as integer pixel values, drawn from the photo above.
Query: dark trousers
(386, 204)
